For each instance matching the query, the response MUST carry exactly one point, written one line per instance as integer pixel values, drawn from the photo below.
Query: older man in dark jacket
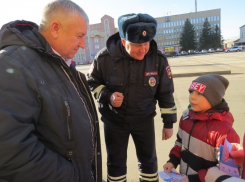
(49, 128)
(127, 78)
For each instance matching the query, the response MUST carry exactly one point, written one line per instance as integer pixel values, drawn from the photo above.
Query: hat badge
(144, 33)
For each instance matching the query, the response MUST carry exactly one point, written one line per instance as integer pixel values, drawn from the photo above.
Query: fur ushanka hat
(137, 28)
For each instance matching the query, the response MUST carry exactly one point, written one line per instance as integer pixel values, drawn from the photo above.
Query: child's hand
(184, 180)
(168, 166)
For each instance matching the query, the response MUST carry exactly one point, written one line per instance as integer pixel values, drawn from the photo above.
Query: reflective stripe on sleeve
(171, 110)
(97, 91)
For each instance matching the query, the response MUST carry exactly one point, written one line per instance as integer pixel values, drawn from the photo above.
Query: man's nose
(82, 43)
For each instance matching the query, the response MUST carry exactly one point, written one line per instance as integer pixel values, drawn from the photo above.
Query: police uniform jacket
(142, 83)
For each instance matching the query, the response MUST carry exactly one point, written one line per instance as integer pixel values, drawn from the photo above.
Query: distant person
(203, 128)
(127, 78)
(49, 128)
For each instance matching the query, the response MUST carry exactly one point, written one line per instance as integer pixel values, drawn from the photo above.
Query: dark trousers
(116, 138)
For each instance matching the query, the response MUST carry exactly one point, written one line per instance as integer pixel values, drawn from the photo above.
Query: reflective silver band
(115, 179)
(97, 91)
(172, 110)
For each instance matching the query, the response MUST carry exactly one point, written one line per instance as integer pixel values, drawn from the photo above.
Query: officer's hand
(116, 99)
(167, 133)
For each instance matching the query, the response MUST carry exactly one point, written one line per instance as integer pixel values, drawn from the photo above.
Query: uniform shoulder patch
(169, 72)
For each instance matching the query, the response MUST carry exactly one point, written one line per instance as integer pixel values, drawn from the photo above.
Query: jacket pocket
(149, 87)
(115, 84)
(68, 121)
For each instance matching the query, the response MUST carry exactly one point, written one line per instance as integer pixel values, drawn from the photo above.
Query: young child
(203, 128)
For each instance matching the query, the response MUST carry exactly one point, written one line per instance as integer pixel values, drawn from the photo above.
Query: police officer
(127, 77)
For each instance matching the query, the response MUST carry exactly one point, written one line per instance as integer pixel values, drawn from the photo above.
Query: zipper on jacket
(68, 119)
(189, 143)
(87, 94)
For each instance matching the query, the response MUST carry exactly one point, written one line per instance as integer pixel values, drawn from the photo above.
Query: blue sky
(232, 11)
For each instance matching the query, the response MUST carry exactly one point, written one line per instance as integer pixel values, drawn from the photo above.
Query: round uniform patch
(169, 73)
(144, 33)
(152, 81)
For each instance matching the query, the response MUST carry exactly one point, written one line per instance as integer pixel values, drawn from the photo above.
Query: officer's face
(136, 51)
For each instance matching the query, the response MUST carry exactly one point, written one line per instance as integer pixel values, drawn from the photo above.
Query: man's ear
(55, 28)
(123, 42)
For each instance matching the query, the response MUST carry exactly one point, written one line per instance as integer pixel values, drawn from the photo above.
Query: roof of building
(242, 26)
(96, 32)
(231, 40)
(240, 40)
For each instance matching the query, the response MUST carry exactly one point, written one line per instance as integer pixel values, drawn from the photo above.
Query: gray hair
(57, 8)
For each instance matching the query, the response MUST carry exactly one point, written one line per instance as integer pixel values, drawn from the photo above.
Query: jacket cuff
(108, 98)
(193, 178)
(174, 160)
(168, 125)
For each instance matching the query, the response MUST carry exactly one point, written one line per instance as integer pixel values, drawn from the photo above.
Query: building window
(218, 18)
(180, 23)
(97, 46)
(197, 20)
(197, 34)
(197, 27)
(163, 25)
(96, 40)
(218, 24)
(171, 24)
(183, 22)
(166, 31)
(177, 23)
(191, 21)
(212, 18)
(194, 21)
(209, 19)
(203, 20)
(200, 20)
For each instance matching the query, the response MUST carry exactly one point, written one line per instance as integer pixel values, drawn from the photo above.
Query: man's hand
(184, 180)
(116, 99)
(214, 173)
(167, 133)
(168, 167)
(237, 153)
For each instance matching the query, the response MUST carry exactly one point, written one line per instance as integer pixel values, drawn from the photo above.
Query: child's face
(198, 102)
